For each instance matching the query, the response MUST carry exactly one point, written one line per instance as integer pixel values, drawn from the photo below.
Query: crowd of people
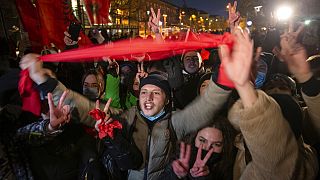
(207, 114)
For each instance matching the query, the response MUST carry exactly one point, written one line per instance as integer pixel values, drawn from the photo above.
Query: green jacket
(112, 91)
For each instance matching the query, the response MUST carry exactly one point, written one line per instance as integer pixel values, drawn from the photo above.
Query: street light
(283, 13)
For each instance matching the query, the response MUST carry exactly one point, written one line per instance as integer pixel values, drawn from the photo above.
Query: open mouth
(148, 106)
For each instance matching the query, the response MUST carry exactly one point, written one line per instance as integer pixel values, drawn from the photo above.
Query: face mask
(155, 117)
(91, 93)
(260, 79)
(214, 158)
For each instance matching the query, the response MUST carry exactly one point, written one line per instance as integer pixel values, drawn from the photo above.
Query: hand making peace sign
(107, 119)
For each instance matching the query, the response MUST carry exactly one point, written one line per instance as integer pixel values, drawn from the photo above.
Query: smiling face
(151, 99)
(191, 62)
(210, 137)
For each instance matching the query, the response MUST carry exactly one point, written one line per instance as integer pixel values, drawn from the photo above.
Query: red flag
(98, 11)
(31, 23)
(45, 21)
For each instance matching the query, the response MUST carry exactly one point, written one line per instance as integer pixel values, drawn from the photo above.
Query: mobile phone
(74, 30)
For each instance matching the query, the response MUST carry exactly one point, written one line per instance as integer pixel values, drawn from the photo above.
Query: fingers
(66, 113)
(141, 68)
(178, 169)
(50, 102)
(299, 30)
(153, 13)
(28, 60)
(235, 4)
(106, 107)
(96, 126)
(97, 104)
(62, 98)
(182, 150)
(188, 153)
(199, 171)
(199, 153)
(158, 15)
(224, 54)
(208, 155)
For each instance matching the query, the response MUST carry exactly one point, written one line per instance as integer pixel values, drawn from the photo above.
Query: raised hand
(154, 21)
(68, 41)
(34, 66)
(181, 166)
(107, 119)
(294, 54)
(199, 167)
(60, 114)
(141, 73)
(234, 16)
(112, 64)
(238, 63)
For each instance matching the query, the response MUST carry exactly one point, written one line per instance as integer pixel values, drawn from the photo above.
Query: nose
(206, 146)
(150, 96)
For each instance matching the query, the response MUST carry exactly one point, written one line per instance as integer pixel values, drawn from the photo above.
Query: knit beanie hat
(158, 79)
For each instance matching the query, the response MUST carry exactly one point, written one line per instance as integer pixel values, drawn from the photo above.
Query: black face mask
(214, 158)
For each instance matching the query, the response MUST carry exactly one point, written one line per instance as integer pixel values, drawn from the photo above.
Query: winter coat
(156, 144)
(275, 152)
(14, 163)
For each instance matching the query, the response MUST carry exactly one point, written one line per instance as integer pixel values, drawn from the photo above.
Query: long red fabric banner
(131, 48)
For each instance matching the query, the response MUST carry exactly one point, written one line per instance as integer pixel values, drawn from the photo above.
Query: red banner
(46, 20)
(98, 11)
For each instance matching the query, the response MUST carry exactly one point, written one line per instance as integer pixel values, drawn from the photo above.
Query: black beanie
(158, 79)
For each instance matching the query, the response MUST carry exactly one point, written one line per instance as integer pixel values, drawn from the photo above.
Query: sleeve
(35, 133)
(201, 111)
(272, 144)
(80, 105)
(311, 122)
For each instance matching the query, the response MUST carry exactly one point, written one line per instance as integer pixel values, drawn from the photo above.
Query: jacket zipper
(147, 154)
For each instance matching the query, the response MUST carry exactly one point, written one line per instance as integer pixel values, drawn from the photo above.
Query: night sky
(213, 7)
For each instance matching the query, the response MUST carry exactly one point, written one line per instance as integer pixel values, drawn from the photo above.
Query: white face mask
(91, 93)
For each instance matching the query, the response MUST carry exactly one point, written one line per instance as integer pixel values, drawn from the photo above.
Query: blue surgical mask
(260, 79)
(153, 118)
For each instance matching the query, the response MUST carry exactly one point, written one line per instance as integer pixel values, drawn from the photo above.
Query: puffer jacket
(276, 153)
(155, 144)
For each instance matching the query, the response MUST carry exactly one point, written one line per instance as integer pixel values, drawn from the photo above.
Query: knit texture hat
(158, 79)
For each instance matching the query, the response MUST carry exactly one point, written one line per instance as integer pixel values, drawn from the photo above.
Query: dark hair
(100, 79)
(224, 168)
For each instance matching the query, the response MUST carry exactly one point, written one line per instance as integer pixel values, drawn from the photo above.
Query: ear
(167, 101)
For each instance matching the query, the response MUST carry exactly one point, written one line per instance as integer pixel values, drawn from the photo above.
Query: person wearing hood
(190, 74)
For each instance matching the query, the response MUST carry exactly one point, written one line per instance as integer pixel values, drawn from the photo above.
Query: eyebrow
(213, 141)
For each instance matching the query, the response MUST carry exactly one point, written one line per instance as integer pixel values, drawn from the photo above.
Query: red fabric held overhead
(129, 48)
